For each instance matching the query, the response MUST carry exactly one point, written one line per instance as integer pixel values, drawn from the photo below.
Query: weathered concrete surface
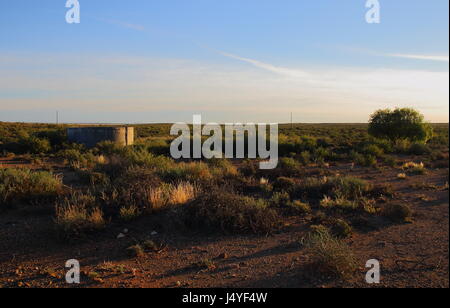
(91, 136)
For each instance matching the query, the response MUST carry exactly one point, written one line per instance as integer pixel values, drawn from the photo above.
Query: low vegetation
(226, 211)
(24, 185)
(318, 183)
(77, 215)
(397, 212)
(330, 257)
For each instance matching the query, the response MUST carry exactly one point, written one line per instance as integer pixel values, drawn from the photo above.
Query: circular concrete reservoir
(91, 136)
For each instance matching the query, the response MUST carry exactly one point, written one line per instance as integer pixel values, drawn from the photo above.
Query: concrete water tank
(90, 136)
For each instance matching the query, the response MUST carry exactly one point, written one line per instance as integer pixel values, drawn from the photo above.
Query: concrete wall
(90, 136)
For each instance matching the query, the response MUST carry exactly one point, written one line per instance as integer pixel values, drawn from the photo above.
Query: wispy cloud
(421, 57)
(269, 67)
(270, 93)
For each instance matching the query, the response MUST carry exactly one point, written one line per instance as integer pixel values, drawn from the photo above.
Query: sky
(149, 61)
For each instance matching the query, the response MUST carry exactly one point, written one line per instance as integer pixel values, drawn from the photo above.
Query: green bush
(280, 200)
(397, 212)
(405, 123)
(34, 145)
(305, 157)
(24, 185)
(228, 212)
(348, 187)
(341, 229)
(289, 165)
(77, 160)
(373, 150)
(320, 155)
(284, 184)
(109, 148)
(402, 146)
(419, 149)
(365, 160)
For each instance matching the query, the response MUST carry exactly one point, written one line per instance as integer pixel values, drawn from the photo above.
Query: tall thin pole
(292, 121)
(57, 117)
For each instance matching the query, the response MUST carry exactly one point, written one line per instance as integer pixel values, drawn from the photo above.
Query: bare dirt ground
(411, 255)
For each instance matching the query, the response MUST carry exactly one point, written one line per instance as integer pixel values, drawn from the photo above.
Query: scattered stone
(154, 233)
(223, 255)
(121, 235)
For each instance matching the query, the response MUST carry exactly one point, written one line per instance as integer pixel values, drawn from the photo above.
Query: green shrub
(373, 150)
(320, 155)
(24, 185)
(341, 229)
(109, 148)
(34, 145)
(390, 161)
(402, 146)
(289, 165)
(365, 160)
(346, 187)
(77, 160)
(280, 200)
(419, 149)
(228, 212)
(305, 157)
(397, 212)
(194, 172)
(349, 187)
(404, 123)
(222, 168)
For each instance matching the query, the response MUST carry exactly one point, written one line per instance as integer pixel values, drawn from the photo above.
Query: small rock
(121, 235)
(125, 231)
(223, 255)
(154, 233)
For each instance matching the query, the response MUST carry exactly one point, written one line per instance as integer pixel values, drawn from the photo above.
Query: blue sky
(234, 60)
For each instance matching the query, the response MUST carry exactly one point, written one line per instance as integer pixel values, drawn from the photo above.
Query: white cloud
(259, 91)
(421, 57)
(269, 67)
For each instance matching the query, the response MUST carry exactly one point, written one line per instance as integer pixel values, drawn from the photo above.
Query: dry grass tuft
(182, 193)
(79, 214)
(128, 213)
(330, 256)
